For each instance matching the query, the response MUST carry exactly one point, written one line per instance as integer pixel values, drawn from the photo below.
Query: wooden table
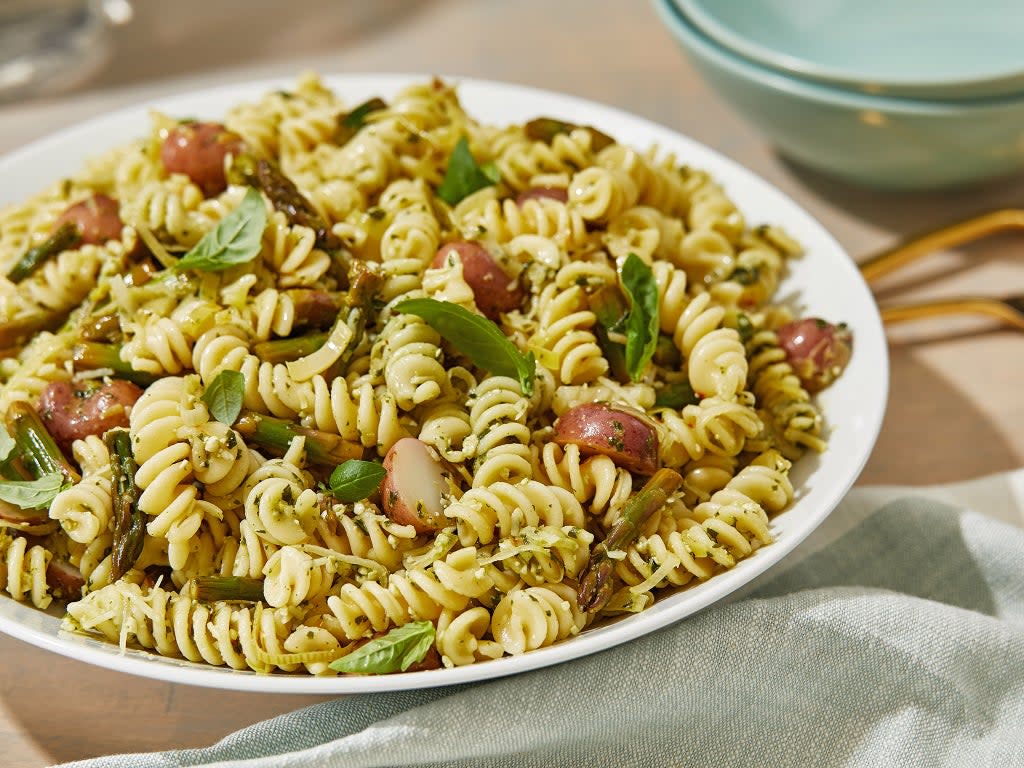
(954, 413)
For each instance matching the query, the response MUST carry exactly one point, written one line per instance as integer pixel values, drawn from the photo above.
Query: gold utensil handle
(974, 305)
(948, 236)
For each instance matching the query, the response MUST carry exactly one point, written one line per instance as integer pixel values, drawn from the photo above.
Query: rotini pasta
(245, 338)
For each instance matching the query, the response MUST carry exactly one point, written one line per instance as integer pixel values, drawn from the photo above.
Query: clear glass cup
(53, 45)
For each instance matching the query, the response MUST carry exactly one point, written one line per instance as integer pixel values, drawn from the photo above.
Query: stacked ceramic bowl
(895, 93)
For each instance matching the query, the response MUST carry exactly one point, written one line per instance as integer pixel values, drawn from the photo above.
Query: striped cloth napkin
(894, 636)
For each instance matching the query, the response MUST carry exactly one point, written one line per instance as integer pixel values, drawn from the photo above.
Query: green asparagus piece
(349, 123)
(166, 283)
(546, 128)
(608, 304)
(596, 586)
(35, 447)
(104, 328)
(286, 350)
(275, 435)
(64, 237)
(236, 589)
(90, 355)
(313, 308)
(129, 520)
(284, 196)
(14, 334)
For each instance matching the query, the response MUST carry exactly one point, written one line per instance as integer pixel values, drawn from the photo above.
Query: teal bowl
(880, 141)
(916, 49)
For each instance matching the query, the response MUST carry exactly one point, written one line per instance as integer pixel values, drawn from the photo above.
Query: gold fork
(1009, 310)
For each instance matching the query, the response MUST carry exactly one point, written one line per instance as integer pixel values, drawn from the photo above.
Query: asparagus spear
(349, 123)
(241, 589)
(90, 355)
(596, 582)
(286, 350)
(15, 333)
(284, 196)
(348, 330)
(36, 449)
(129, 520)
(275, 435)
(101, 328)
(65, 236)
(546, 128)
(314, 308)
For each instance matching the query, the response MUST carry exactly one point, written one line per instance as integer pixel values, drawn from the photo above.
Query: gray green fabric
(893, 637)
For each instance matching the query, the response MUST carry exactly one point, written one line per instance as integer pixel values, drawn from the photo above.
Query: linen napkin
(894, 636)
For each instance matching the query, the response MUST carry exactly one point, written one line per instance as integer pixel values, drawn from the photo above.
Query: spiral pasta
(267, 357)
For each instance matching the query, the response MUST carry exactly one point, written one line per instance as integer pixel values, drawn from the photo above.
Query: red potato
(414, 486)
(541, 193)
(817, 350)
(97, 219)
(64, 579)
(11, 513)
(494, 291)
(198, 151)
(599, 428)
(73, 410)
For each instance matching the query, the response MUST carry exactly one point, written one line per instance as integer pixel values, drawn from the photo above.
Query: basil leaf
(224, 395)
(398, 650)
(642, 320)
(476, 337)
(464, 176)
(237, 239)
(7, 444)
(32, 494)
(354, 480)
(677, 396)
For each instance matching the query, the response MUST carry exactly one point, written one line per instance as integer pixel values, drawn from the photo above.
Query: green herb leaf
(677, 396)
(32, 494)
(237, 239)
(355, 119)
(354, 480)
(476, 337)
(642, 320)
(224, 396)
(7, 444)
(464, 176)
(398, 650)
(746, 275)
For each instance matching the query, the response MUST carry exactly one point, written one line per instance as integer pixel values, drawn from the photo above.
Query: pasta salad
(359, 389)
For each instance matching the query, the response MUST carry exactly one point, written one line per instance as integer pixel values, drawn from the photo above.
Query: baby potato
(76, 409)
(561, 194)
(198, 150)
(817, 350)
(97, 219)
(414, 485)
(600, 428)
(494, 291)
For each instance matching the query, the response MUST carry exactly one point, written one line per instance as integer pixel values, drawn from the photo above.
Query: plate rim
(662, 613)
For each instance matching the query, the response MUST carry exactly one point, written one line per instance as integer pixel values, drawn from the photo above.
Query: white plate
(826, 282)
